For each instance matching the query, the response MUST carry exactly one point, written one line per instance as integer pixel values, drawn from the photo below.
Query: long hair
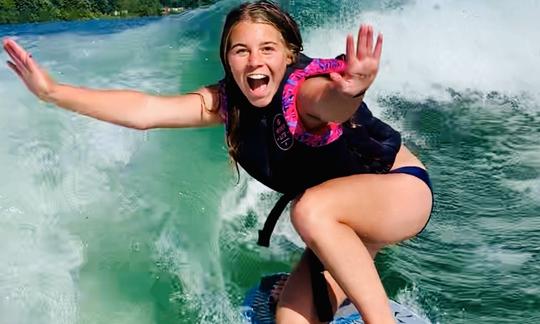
(265, 12)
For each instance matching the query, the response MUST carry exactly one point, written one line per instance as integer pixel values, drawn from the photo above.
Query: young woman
(300, 126)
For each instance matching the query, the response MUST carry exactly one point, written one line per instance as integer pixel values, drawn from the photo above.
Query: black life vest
(275, 150)
(270, 153)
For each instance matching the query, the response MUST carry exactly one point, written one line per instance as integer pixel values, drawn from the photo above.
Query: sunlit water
(101, 224)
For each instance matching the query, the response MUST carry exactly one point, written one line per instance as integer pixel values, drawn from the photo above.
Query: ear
(289, 57)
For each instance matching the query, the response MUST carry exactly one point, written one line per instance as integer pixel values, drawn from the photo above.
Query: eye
(268, 49)
(240, 51)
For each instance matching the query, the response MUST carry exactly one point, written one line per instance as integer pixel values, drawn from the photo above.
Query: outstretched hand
(362, 63)
(34, 77)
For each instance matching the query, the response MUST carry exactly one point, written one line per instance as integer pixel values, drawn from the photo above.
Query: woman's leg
(295, 303)
(338, 218)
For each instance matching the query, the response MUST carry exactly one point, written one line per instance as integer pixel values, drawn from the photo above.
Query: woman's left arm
(335, 99)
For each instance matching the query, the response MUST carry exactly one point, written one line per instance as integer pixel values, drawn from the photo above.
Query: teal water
(103, 224)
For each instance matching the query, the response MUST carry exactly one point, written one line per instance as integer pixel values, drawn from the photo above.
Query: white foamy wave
(250, 196)
(243, 197)
(38, 267)
(529, 187)
(409, 298)
(430, 46)
(203, 288)
(56, 164)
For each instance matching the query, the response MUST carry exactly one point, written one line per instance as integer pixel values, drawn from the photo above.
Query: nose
(255, 59)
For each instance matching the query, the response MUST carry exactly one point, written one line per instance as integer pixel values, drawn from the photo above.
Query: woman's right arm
(122, 107)
(139, 110)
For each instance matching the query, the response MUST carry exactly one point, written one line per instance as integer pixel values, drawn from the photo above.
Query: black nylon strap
(321, 300)
(271, 220)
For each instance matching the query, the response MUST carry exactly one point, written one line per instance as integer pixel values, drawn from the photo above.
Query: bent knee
(310, 214)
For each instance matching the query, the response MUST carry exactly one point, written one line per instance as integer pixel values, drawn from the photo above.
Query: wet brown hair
(265, 12)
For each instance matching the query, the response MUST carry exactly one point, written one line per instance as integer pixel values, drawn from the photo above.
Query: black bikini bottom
(422, 175)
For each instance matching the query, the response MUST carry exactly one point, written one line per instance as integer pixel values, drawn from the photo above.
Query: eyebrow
(244, 45)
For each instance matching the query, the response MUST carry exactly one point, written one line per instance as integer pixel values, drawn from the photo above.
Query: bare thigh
(381, 209)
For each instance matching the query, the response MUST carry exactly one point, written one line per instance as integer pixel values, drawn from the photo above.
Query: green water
(103, 224)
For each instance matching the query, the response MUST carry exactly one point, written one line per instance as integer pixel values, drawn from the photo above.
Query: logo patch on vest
(282, 136)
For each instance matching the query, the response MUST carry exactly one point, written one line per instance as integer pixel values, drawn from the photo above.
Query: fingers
(337, 78)
(14, 68)
(5, 41)
(18, 55)
(31, 63)
(365, 43)
(16, 47)
(378, 47)
(369, 40)
(20, 65)
(360, 43)
(349, 51)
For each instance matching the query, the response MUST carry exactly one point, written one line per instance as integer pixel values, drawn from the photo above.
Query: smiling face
(257, 56)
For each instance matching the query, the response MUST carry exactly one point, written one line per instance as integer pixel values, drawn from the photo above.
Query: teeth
(257, 76)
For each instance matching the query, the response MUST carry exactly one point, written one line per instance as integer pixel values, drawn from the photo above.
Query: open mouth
(258, 82)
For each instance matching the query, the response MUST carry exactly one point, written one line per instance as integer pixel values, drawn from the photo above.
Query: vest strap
(321, 299)
(266, 232)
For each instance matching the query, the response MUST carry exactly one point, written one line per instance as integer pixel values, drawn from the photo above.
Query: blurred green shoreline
(29, 11)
